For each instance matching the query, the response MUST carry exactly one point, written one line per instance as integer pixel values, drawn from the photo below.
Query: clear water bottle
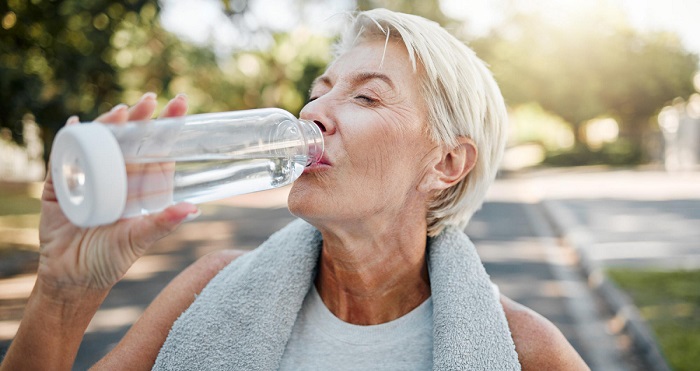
(102, 173)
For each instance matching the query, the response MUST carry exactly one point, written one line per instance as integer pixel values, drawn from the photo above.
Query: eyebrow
(357, 78)
(365, 76)
(323, 79)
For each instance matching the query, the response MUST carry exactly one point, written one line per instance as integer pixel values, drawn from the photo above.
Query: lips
(324, 160)
(323, 164)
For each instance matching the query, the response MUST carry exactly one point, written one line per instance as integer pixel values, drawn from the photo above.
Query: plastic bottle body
(195, 158)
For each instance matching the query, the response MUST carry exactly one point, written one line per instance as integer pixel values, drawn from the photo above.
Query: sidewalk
(628, 218)
(624, 218)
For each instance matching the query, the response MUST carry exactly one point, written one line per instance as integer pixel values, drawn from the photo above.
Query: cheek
(392, 161)
(375, 152)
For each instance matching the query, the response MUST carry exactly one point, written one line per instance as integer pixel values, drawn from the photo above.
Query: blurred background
(587, 82)
(603, 98)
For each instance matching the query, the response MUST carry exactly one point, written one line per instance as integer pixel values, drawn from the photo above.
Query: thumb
(153, 227)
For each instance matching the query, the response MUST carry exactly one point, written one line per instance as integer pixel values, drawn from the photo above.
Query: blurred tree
(281, 76)
(57, 57)
(276, 77)
(593, 65)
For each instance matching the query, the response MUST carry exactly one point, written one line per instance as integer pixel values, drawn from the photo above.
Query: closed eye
(366, 99)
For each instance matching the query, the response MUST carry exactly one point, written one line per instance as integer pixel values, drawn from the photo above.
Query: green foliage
(278, 77)
(619, 153)
(670, 302)
(56, 57)
(595, 65)
(530, 123)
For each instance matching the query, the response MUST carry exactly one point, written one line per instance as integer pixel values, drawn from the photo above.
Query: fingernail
(73, 120)
(181, 95)
(118, 107)
(192, 216)
(149, 95)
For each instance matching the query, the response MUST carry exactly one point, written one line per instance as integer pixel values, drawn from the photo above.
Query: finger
(144, 108)
(73, 120)
(117, 114)
(176, 107)
(153, 227)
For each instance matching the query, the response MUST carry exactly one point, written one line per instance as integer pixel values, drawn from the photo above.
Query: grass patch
(670, 302)
(19, 220)
(14, 204)
(19, 215)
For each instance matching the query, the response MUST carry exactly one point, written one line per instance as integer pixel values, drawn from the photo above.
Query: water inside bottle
(154, 184)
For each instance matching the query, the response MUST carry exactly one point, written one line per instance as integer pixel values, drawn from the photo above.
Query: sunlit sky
(202, 21)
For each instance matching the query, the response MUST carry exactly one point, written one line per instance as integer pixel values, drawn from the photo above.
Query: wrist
(66, 301)
(57, 323)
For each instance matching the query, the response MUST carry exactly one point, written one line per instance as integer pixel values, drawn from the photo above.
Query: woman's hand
(78, 266)
(76, 259)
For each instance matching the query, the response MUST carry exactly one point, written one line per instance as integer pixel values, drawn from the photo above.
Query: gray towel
(243, 319)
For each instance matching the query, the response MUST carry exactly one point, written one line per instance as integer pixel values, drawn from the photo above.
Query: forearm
(139, 348)
(51, 330)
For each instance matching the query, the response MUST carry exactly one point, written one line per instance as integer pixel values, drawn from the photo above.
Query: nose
(318, 111)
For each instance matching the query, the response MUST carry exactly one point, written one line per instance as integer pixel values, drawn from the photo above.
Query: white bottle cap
(89, 175)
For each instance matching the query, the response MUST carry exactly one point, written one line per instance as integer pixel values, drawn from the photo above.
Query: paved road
(626, 218)
(523, 257)
(634, 219)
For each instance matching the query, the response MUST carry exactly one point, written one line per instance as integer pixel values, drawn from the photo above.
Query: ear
(453, 165)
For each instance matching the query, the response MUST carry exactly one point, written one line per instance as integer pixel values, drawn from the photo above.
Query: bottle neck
(314, 141)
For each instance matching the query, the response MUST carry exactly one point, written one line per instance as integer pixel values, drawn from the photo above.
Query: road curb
(627, 317)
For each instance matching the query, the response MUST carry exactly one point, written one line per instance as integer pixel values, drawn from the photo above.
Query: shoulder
(182, 290)
(539, 343)
(206, 267)
(195, 277)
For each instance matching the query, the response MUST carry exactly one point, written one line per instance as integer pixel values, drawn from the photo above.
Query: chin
(300, 199)
(308, 201)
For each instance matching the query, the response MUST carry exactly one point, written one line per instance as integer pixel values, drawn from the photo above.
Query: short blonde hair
(462, 97)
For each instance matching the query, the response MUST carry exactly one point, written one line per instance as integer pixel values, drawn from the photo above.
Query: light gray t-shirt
(322, 341)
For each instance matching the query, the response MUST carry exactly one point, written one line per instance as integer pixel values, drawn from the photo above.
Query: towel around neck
(244, 317)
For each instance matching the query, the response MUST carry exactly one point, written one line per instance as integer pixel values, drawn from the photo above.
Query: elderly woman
(376, 274)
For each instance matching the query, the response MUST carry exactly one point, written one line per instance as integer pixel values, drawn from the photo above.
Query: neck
(373, 278)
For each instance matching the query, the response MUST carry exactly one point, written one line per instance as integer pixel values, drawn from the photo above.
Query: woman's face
(377, 145)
